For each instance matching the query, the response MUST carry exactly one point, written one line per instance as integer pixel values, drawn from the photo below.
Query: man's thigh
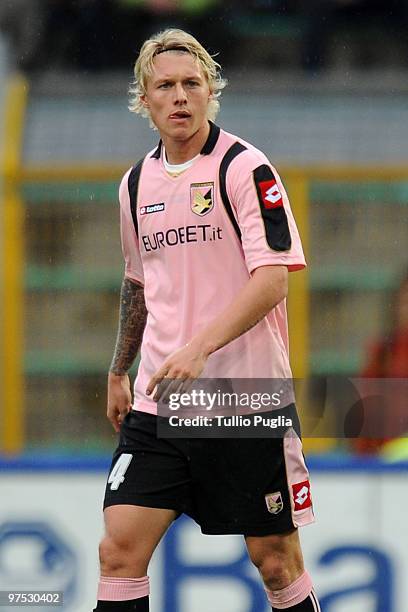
(130, 527)
(131, 536)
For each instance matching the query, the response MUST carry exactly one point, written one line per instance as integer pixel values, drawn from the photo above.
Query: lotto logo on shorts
(301, 495)
(271, 196)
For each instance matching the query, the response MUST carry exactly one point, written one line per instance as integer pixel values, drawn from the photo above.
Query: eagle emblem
(274, 502)
(201, 198)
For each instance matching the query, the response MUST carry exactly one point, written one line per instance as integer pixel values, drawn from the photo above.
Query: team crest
(201, 198)
(274, 502)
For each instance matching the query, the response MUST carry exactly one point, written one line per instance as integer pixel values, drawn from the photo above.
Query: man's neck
(181, 151)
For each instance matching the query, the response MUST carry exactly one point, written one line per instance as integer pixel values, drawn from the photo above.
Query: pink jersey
(193, 241)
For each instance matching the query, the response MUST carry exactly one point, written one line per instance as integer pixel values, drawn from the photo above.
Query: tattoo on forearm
(132, 321)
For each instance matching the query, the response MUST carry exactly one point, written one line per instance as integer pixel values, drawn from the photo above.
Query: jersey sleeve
(268, 228)
(129, 239)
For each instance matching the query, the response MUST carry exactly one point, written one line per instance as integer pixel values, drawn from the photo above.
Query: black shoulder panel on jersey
(231, 154)
(133, 186)
(272, 209)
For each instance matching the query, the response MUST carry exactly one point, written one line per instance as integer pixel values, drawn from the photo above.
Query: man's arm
(264, 290)
(132, 321)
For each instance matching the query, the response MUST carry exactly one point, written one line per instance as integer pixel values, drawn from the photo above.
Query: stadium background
(323, 90)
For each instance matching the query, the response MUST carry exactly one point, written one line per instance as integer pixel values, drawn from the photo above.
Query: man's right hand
(119, 398)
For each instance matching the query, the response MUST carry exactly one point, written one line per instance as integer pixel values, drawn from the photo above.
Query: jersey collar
(207, 148)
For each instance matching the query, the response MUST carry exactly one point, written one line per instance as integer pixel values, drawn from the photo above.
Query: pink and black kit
(192, 241)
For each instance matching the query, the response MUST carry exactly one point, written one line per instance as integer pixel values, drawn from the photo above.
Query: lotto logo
(301, 495)
(152, 208)
(271, 196)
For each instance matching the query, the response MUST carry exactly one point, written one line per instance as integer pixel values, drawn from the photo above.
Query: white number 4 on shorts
(117, 475)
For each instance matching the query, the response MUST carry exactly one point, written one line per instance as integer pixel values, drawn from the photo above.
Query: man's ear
(144, 101)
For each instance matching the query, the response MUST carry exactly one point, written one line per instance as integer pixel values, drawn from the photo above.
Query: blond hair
(174, 39)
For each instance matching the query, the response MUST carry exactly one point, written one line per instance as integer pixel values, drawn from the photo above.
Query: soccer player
(208, 239)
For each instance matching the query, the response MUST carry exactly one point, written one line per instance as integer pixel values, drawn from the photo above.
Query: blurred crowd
(387, 358)
(107, 34)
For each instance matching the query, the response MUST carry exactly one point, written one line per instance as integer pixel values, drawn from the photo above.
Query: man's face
(177, 95)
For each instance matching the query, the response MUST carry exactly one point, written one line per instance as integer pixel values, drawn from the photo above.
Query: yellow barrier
(12, 388)
(298, 297)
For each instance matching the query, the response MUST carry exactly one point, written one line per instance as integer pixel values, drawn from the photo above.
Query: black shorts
(246, 486)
